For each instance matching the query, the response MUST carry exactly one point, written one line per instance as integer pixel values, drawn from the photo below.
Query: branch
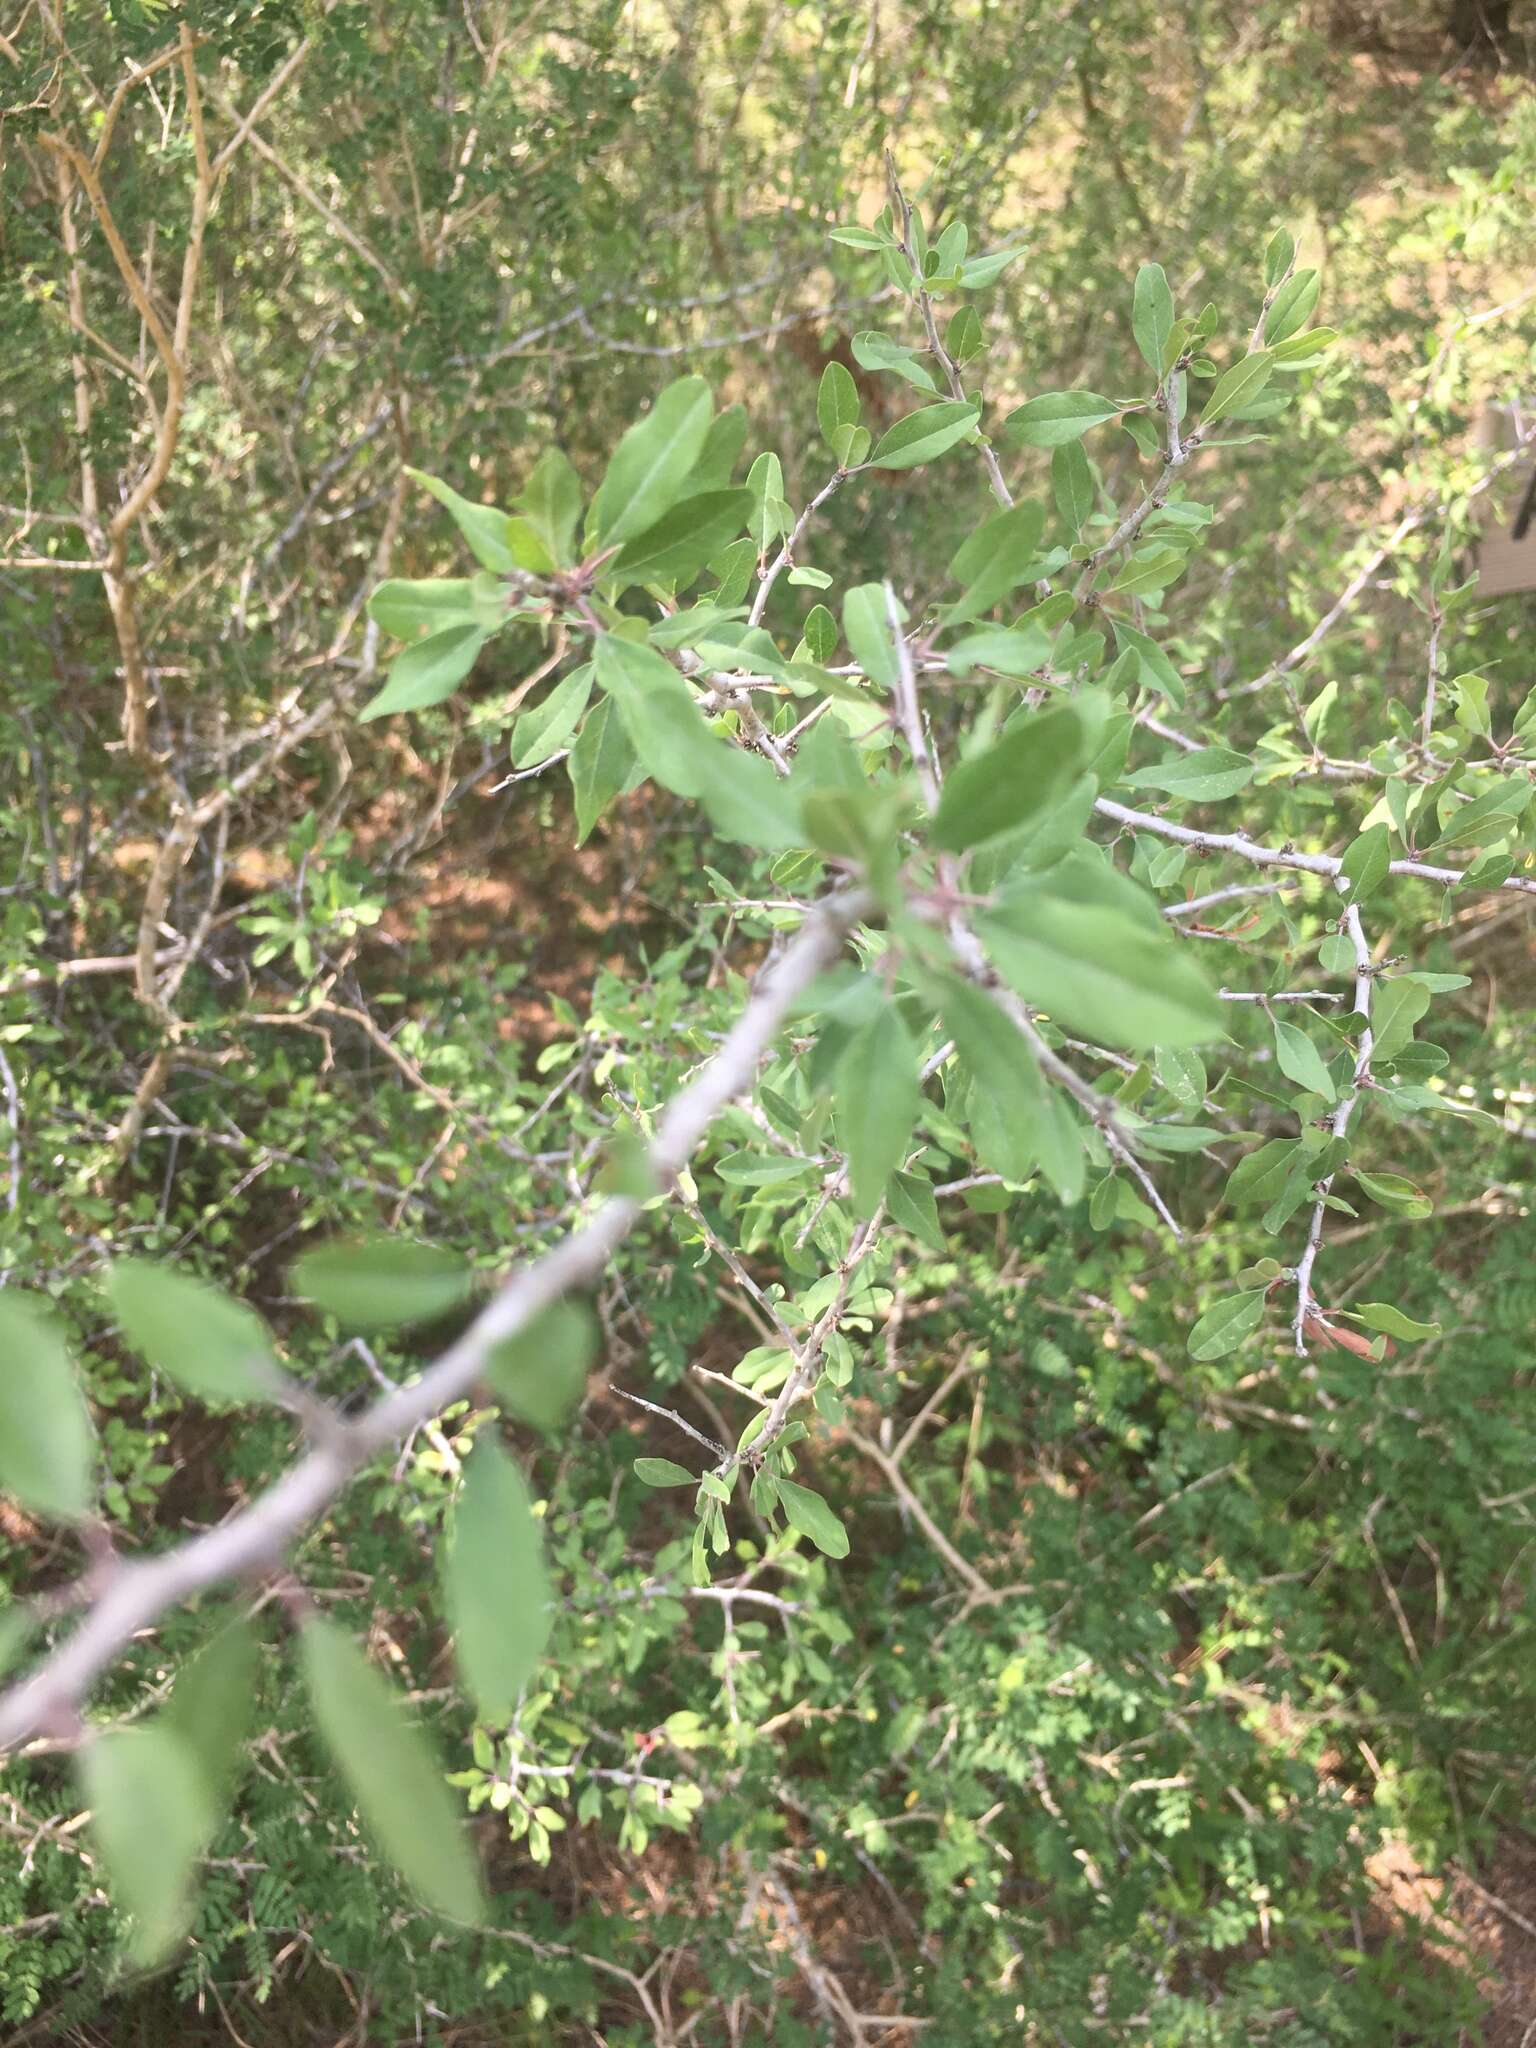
(1308, 1315)
(258, 1537)
(1278, 856)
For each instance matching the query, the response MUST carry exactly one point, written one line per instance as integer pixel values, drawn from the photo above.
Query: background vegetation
(1146, 1676)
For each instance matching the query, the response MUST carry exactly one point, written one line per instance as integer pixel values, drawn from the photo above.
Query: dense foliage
(772, 875)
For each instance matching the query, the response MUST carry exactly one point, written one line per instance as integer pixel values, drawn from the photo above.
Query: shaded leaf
(1222, 1328)
(1381, 1315)
(393, 1776)
(496, 1591)
(662, 1472)
(1152, 315)
(193, 1332)
(47, 1445)
(924, 435)
(539, 1374)
(809, 1515)
(1206, 776)
(652, 462)
(1019, 778)
(1301, 1062)
(1099, 973)
(683, 541)
(427, 672)
(1059, 416)
(877, 1104)
(383, 1283)
(1244, 381)
(484, 527)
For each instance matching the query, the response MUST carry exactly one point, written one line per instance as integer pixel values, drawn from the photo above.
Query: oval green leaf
(662, 1472)
(809, 1515)
(925, 434)
(427, 672)
(47, 1446)
(495, 1588)
(153, 1815)
(202, 1338)
(383, 1283)
(395, 1780)
(1222, 1328)
(539, 1374)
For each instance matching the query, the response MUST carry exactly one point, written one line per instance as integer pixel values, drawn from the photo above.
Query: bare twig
(1277, 856)
(1308, 1315)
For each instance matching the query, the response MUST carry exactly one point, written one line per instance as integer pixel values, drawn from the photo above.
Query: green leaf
(1152, 315)
(860, 238)
(152, 1817)
(428, 671)
(985, 270)
(1012, 651)
(1301, 1062)
(809, 1515)
(383, 1283)
(867, 628)
(551, 504)
(662, 1472)
(496, 1591)
(1392, 1191)
(877, 1102)
(1152, 567)
(600, 764)
(411, 610)
(924, 435)
(544, 730)
(963, 337)
(1183, 1074)
(1154, 670)
(1397, 1006)
(1057, 417)
(872, 351)
(1279, 255)
(820, 633)
(1366, 862)
(1244, 381)
(19, 1628)
(391, 1771)
(665, 725)
(484, 527)
(539, 1375)
(1488, 818)
(837, 403)
(1072, 486)
(1205, 777)
(207, 1342)
(1380, 1315)
(213, 1705)
(682, 542)
(1019, 778)
(722, 449)
(997, 558)
(1262, 1174)
(1008, 1094)
(913, 1208)
(1303, 350)
(767, 514)
(1222, 1328)
(1099, 973)
(651, 463)
(47, 1447)
(1292, 308)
